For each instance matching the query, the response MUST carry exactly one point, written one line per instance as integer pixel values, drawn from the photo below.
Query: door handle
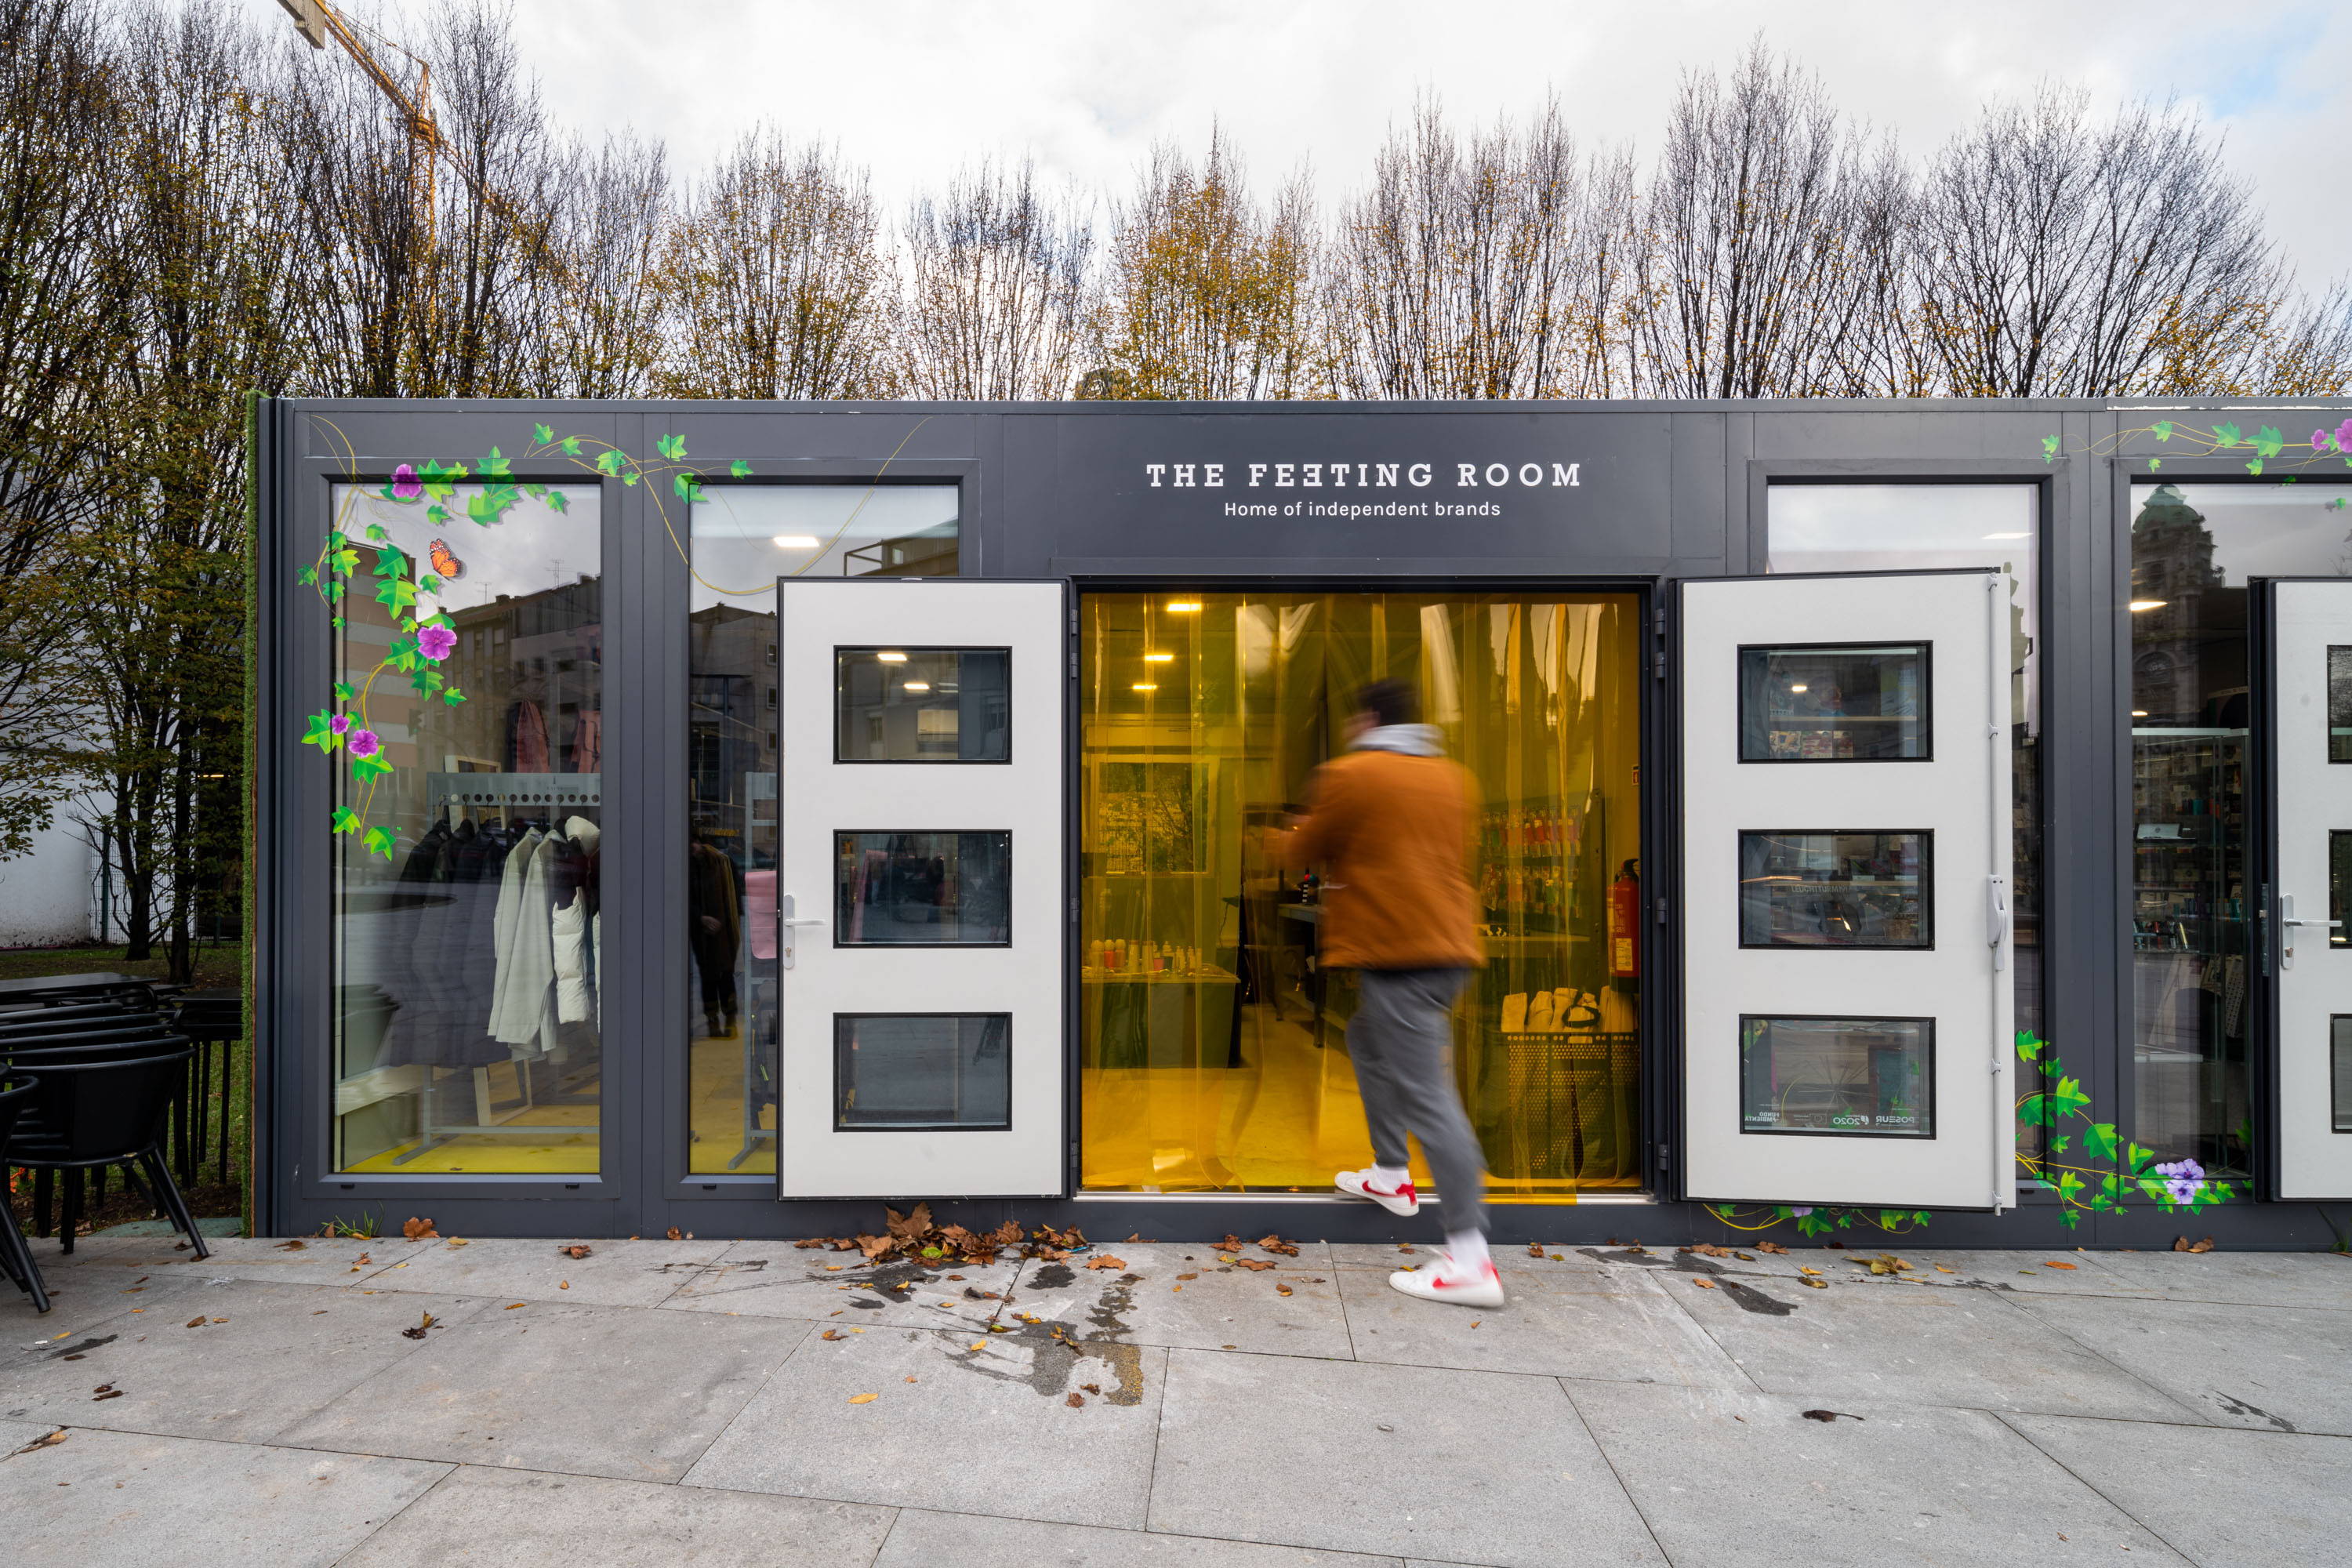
(786, 923)
(1997, 918)
(2287, 922)
(806, 922)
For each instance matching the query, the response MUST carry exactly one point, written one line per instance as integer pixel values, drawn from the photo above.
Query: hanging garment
(399, 943)
(574, 921)
(588, 742)
(526, 1017)
(507, 924)
(526, 738)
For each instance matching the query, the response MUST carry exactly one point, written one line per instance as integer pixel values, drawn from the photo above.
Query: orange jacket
(1395, 835)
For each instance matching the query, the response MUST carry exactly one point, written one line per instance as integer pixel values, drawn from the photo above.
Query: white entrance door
(1844, 898)
(921, 888)
(2309, 716)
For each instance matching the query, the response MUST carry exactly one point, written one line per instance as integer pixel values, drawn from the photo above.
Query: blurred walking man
(1392, 824)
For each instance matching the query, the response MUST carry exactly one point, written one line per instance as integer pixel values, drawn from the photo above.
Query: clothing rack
(555, 795)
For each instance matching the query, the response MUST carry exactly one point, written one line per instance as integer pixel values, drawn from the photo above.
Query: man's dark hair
(1390, 701)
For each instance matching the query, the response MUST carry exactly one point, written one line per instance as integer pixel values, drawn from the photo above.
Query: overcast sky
(915, 89)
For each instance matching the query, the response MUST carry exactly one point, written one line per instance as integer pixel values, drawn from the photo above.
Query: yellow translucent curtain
(1213, 1053)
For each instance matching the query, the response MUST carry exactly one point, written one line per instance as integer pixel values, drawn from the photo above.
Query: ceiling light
(2139, 712)
(795, 542)
(2025, 536)
(1183, 606)
(1143, 686)
(918, 685)
(1800, 686)
(1159, 658)
(2139, 604)
(891, 658)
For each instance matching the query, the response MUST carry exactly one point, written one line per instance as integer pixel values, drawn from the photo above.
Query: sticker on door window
(1871, 1078)
(1833, 702)
(922, 704)
(2339, 1070)
(922, 1072)
(922, 889)
(1836, 889)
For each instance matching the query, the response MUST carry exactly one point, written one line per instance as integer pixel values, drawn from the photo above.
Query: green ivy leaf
(440, 483)
(495, 466)
(308, 576)
(343, 692)
(483, 508)
(557, 502)
(427, 584)
(379, 841)
(398, 594)
(2137, 1158)
(687, 487)
(2268, 442)
(343, 561)
(452, 697)
(541, 434)
(437, 514)
(2225, 435)
(2254, 466)
(2154, 464)
(2028, 1048)
(338, 622)
(2062, 1142)
(365, 768)
(572, 445)
(2069, 1093)
(346, 819)
(2099, 1141)
(2162, 429)
(630, 478)
(740, 468)
(377, 531)
(671, 447)
(2070, 1218)
(609, 461)
(389, 562)
(2050, 449)
(320, 732)
(335, 596)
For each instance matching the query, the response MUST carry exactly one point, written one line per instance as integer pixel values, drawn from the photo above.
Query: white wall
(46, 897)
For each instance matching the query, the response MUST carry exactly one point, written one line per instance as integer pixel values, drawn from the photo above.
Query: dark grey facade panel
(1661, 492)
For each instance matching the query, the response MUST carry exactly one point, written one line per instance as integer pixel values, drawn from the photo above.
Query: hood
(1413, 740)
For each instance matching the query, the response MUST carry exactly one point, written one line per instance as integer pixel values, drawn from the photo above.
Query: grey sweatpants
(1401, 1041)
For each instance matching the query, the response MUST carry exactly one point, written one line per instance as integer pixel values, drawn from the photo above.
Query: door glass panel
(922, 705)
(2340, 1063)
(468, 934)
(1835, 890)
(905, 1072)
(1214, 1042)
(922, 889)
(1871, 1077)
(2194, 547)
(2339, 888)
(1834, 704)
(2339, 704)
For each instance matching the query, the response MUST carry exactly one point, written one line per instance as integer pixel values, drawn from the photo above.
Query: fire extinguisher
(1625, 924)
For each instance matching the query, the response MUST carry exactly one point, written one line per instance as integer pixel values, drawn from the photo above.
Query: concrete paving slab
(2252, 1499)
(1385, 1257)
(296, 1261)
(978, 1431)
(776, 1279)
(1181, 1295)
(82, 1295)
(2247, 1279)
(2026, 1272)
(2278, 1368)
(14, 1434)
(922, 1539)
(613, 1274)
(1473, 1467)
(579, 1390)
(125, 1499)
(279, 1353)
(1729, 1479)
(1565, 1322)
(524, 1517)
(1926, 1346)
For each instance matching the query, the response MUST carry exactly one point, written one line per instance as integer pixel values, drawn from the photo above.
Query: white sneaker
(1403, 1200)
(1454, 1282)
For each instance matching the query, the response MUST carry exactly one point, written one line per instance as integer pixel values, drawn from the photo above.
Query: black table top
(66, 984)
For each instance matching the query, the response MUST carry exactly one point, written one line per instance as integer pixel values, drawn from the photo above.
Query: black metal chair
(102, 1104)
(210, 1018)
(16, 1258)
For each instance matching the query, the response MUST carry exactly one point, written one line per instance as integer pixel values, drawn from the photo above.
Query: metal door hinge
(1662, 910)
(1666, 1155)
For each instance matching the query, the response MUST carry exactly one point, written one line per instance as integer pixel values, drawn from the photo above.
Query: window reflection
(1873, 1077)
(469, 960)
(1834, 889)
(922, 705)
(906, 1072)
(922, 889)
(1834, 704)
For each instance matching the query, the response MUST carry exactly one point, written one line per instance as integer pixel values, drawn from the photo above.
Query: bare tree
(1494, 267)
(1752, 211)
(604, 337)
(2062, 258)
(774, 281)
(1207, 295)
(999, 289)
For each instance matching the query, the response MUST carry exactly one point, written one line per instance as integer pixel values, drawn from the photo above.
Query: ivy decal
(2118, 1169)
(2268, 446)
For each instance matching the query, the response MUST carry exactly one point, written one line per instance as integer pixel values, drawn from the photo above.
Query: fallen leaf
(1405, 1246)
(459, 1241)
(1704, 1283)
(911, 1380)
(1770, 1247)
(1806, 1269)
(674, 1234)
(575, 1250)
(1175, 1290)
(1105, 1262)
(563, 1284)
(834, 1268)
(1476, 1322)
(418, 1332)
(830, 1334)
(864, 1398)
(1535, 1249)
(2204, 1246)
(416, 1229)
(291, 1245)
(1827, 1416)
(1708, 1249)
(1816, 1283)
(978, 1344)
(1284, 1291)
(109, 1393)
(1192, 1275)
(1255, 1265)
(220, 1320)
(1076, 1401)
(815, 1241)
(1941, 1269)
(1091, 1387)
(1745, 1257)
(55, 1438)
(196, 1322)
(512, 1305)
(1277, 1245)
(2055, 1265)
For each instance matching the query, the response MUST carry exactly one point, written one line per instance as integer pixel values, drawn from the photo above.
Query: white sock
(1388, 1178)
(1468, 1249)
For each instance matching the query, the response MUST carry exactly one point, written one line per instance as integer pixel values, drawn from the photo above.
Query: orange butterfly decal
(446, 563)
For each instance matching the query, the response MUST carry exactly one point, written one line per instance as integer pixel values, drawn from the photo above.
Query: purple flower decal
(435, 643)
(1801, 1211)
(2320, 440)
(2186, 1170)
(2180, 1190)
(340, 724)
(2344, 436)
(405, 485)
(364, 743)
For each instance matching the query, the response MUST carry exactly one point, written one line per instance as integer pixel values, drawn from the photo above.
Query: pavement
(723, 1402)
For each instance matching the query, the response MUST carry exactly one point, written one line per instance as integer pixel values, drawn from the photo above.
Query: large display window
(1212, 1042)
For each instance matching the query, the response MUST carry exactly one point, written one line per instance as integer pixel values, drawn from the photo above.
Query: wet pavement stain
(1746, 1297)
(1052, 1277)
(2239, 1407)
(84, 1347)
(1053, 1361)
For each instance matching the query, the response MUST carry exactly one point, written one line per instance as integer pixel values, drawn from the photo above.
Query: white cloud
(915, 89)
